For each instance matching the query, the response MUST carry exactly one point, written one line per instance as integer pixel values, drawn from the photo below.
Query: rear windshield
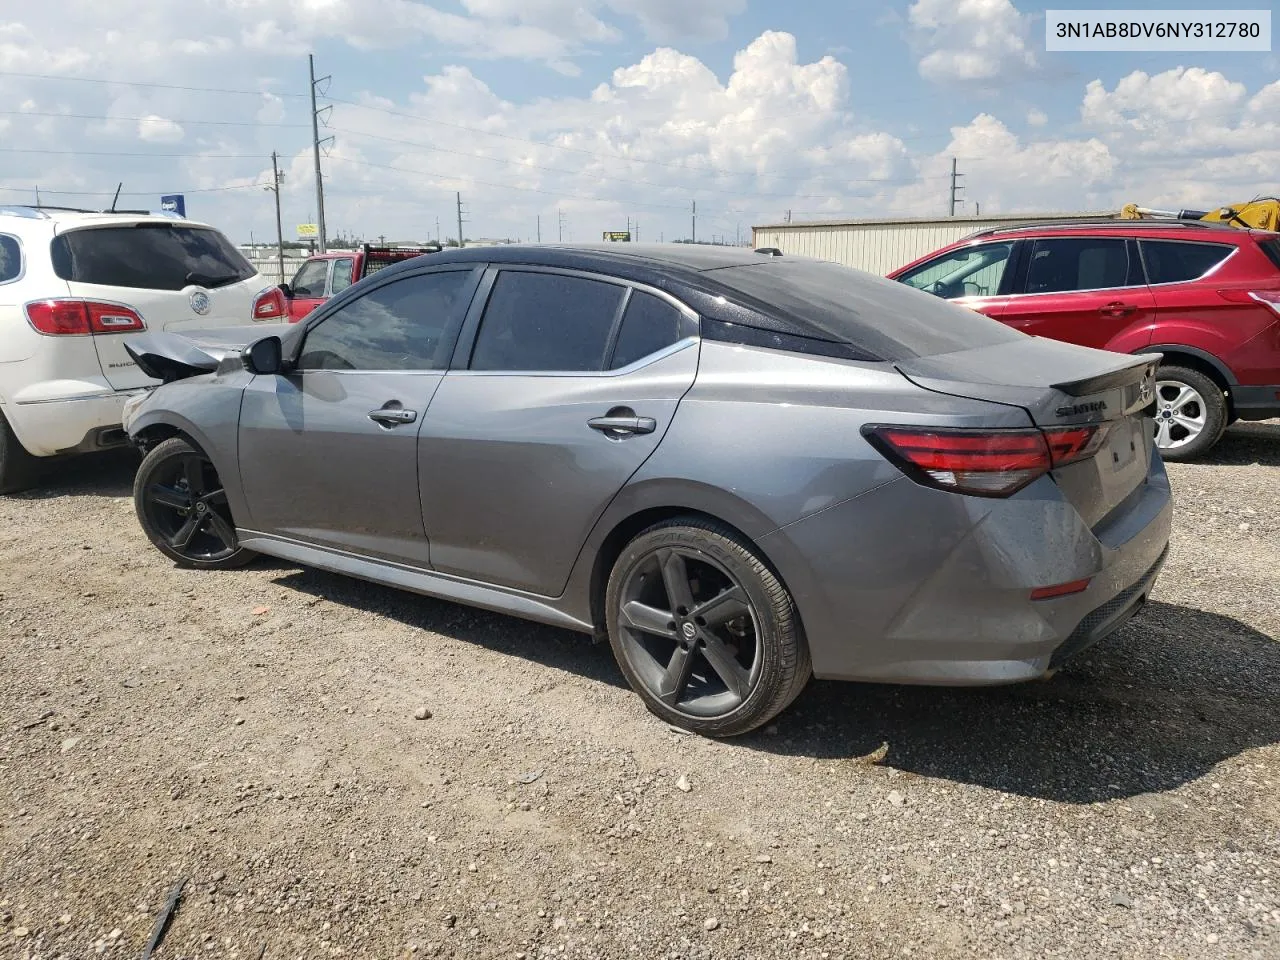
(1272, 249)
(153, 256)
(882, 317)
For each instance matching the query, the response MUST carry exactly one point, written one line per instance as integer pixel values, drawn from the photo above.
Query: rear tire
(19, 470)
(183, 508)
(703, 630)
(1191, 413)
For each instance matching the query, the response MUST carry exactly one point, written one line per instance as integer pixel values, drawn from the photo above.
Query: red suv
(1205, 296)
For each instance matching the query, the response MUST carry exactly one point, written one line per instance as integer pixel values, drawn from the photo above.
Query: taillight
(269, 304)
(78, 318)
(983, 463)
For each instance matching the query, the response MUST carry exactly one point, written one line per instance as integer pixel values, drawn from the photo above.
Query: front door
(570, 386)
(308, 288)
(328, 453)
(1086, 290)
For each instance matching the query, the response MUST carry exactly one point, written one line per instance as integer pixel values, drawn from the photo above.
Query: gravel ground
(255, 732)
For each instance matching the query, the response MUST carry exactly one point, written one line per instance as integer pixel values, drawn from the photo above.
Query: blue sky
(600, 110)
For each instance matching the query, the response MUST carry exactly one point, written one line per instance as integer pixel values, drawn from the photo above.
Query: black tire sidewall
(778, 630)
(161, 453)
(1216, 413)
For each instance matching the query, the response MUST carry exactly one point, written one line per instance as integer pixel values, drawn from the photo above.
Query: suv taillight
(983, 463)
(78, 318)
(269, 304)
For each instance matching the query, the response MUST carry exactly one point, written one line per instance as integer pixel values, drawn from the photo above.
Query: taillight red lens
(77, 318)
(269, 304)
(982, 463)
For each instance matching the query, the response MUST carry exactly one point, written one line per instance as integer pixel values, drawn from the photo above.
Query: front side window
(1177, 261)
(149, 256)
(1067, 264)
(341, 275)
(546, 321)
(10, 258)
(408, 324)
(310, 278)
(968, 272)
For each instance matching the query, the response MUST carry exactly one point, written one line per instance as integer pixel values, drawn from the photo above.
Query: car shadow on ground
(1156, 706)
(1245, 444)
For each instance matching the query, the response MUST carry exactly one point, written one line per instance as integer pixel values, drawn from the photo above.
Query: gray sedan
(742, 470)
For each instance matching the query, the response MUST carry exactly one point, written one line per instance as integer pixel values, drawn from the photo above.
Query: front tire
(703, 630)
(183, 508)
(1191, 413)
(19, 470)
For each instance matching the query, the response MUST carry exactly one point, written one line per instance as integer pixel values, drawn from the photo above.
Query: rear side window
(546, 321)
(1066, 264)
(151, 256)
(1176, 261)
(1272, 249)
(408, 324)
(10, 258)
(884, 319)
(650, 325)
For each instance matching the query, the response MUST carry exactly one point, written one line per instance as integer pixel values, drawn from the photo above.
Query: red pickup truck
(326, 274)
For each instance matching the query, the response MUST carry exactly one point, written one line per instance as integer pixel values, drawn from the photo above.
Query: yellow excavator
(1261, 213)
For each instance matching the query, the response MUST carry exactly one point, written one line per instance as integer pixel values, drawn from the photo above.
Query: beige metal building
(880, 246)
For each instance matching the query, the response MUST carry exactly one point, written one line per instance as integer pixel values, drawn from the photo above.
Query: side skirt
(412, 579)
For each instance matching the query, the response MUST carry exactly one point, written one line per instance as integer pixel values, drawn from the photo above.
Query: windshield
(882, 317)
(152, 256)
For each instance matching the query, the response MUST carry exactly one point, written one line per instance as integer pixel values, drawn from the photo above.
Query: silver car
(741, 469)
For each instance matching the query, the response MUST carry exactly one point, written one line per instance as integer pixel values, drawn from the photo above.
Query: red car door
(307, 289)
(1082, 289)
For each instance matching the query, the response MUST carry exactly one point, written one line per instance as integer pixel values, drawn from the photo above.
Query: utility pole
(539, 228)
(461, 242)
(693, 229)
(315, 148)
(955, 186)
(276, 179)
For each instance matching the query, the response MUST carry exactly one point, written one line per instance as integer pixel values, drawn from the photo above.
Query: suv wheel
(18, 469)
(1191, 413)
(704, 631)
(183, 508)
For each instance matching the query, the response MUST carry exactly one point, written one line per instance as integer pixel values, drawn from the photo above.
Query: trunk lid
(1061, 384)
(176, 275)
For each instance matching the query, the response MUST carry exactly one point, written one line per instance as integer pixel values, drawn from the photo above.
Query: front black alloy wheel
(703, 630)
(183, 508)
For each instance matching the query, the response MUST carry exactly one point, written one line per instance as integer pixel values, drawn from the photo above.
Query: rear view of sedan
(741, 470)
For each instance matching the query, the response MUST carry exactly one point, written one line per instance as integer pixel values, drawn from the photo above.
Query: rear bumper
(919, 586)
(70, 424)
(1256, 403)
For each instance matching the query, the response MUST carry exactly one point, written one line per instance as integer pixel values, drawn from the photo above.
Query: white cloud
(971, 40)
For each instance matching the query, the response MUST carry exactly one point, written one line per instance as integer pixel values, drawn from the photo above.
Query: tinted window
(1173, 261)
(341, 275)
(153, 256)
(1064, 264)
(882, 318)
(545, 321)
(10, 258)
(409, 324)
(650, 324)
(309, 280)
(971, 272)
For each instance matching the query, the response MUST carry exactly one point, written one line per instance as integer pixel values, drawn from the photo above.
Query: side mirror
(287, 291)
(265, 356)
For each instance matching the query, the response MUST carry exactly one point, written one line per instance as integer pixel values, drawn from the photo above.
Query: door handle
(1117, 308)
(389, 417)
(631, 424)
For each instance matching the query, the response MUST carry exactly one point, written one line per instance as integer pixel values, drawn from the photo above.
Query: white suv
(73, 285)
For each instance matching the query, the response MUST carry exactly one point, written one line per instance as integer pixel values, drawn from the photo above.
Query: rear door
(176, 275)
(328, 453)
(308, 287)
(1084, 289)
(976, 276)
(569, 386)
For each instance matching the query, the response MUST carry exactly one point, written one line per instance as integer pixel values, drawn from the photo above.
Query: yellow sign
(308, 231)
